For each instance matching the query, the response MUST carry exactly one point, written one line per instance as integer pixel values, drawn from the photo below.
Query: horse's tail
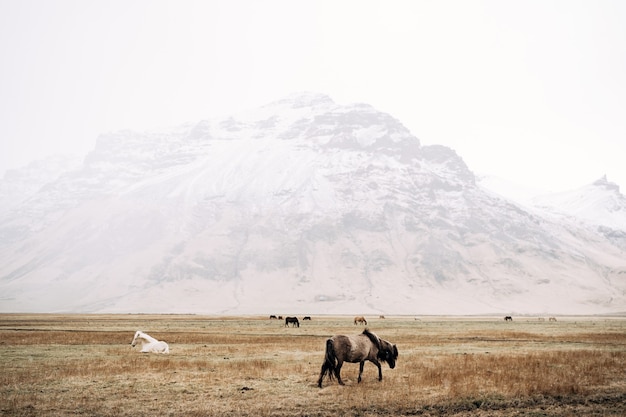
(330, 363)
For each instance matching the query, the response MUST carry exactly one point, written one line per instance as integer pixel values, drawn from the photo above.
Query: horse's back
(157, 347)
(352, 348)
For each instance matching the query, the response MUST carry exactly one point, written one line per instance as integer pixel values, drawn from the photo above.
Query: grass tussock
(247, 366)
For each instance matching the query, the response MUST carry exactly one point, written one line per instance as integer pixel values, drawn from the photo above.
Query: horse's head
(388, 353)
(138, 335)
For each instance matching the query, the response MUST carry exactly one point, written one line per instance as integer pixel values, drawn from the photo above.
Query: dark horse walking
(360, 348)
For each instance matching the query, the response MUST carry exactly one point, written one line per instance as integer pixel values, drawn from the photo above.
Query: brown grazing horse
(360, 348)
(360, 320)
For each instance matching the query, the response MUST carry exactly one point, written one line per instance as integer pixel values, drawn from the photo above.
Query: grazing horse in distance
(508, 318)
(360, 348)
(306, 318)
(149, 344)
(360, 320)
(273, 317)
(552, 319)
(293, 320)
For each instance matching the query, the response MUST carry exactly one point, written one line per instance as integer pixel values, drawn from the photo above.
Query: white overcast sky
(531, 91)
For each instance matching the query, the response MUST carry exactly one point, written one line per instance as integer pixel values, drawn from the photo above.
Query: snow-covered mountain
(599, 203)
(19, 184)
(301, 206)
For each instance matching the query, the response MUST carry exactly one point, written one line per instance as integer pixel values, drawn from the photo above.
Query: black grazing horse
(293, 320)
(360, 348)
(508, 318)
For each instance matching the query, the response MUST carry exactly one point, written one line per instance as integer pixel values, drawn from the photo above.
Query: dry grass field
(59, 365)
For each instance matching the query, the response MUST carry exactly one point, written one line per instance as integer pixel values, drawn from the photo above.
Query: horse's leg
(380, 369)
(325, 367)
(361, 365)
(338, 372)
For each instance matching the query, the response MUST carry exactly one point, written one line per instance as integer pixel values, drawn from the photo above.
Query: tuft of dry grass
(250, 366)
(513, 375)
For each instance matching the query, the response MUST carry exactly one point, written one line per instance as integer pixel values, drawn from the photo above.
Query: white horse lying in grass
(149, 344)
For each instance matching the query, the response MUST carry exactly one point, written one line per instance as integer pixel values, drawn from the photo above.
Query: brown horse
(360, 320)
(360, 348)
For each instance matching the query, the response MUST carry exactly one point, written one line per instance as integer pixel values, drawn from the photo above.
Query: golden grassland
(58, 365)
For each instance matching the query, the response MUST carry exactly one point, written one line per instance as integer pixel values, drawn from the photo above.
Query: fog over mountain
(301, 206)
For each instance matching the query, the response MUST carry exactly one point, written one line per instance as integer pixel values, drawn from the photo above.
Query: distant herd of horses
(294, 322)
(509, 318)
(366, 346)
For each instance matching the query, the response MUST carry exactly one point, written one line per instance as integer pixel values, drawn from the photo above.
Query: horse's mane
(375, 340)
